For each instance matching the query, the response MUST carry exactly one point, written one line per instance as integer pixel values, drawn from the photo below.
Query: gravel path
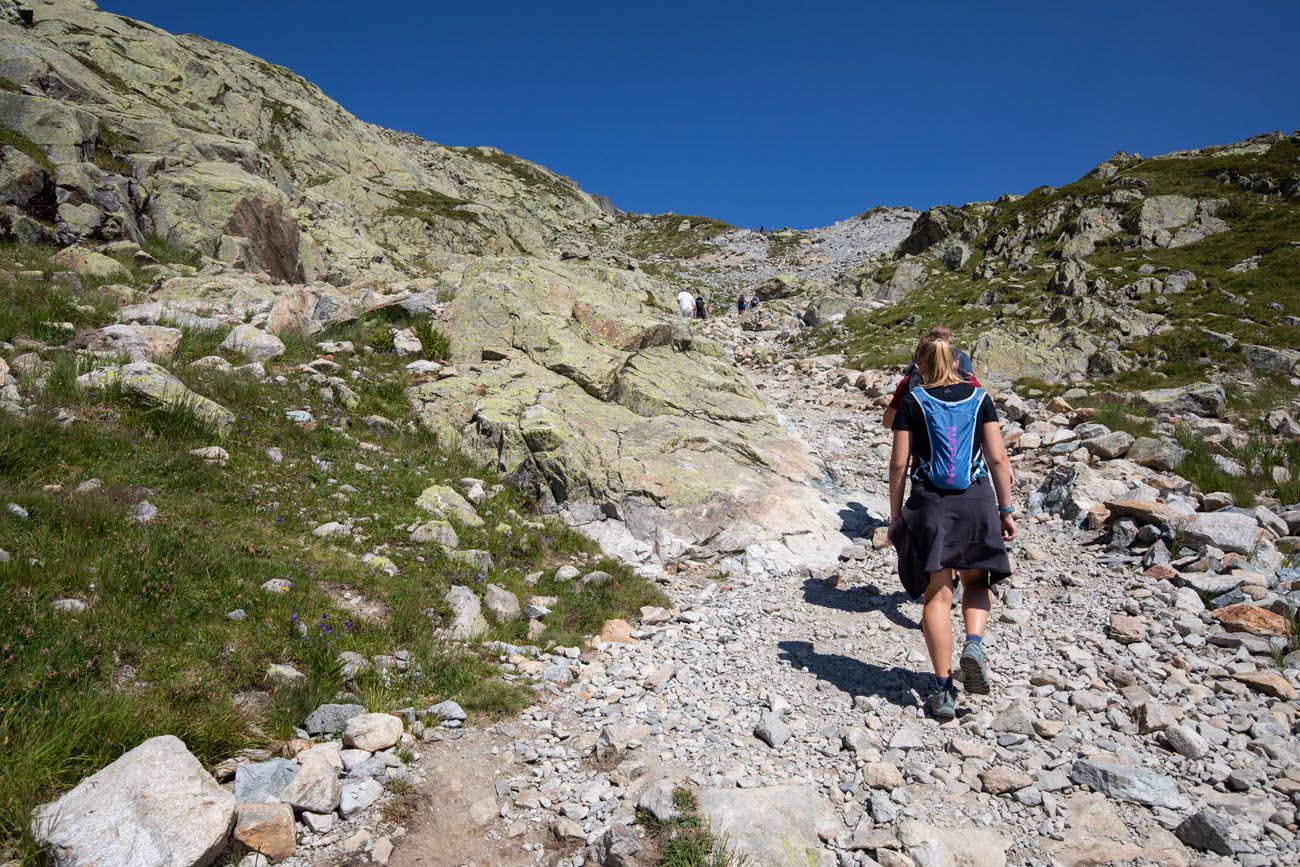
(791, 704)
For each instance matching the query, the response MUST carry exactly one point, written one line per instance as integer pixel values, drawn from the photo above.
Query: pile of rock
(268, 809)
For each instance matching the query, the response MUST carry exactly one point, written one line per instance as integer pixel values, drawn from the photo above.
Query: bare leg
(936, 622)
(976, 600)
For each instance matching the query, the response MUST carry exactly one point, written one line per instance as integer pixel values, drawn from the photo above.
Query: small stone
(372, 731)
(1128, 783)
(484, 810)
(315, 787)
(501, 604)
(1186, 742)
(330, 719)
(319, 823)
(567, 829)
(881, 775)
(657, 800)
(263, 781)
(447, 710)
(356, 796)
(1268, 682)
(1204, 830)
(772, 730)
(266, 828)
(1002, 780)
(285, 676)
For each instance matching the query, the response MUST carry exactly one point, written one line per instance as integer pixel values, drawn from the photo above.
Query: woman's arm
(995, 453)
(898, 460)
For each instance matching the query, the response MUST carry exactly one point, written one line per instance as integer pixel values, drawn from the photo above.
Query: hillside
(131, 133)
(1146, 271)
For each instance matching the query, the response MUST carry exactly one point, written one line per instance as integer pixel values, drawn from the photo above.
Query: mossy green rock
(154, 386)
(582, 387)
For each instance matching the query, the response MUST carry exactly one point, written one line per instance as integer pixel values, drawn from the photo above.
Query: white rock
(129, 813)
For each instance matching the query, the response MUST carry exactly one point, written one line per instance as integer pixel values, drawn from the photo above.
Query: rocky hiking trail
(790, 706)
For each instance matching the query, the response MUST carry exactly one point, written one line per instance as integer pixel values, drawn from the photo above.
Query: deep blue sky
(786, 113)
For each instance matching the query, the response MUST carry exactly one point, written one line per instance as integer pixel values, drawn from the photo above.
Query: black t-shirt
(910, 417)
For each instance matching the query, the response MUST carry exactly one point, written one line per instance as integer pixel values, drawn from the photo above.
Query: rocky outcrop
(583, 389)
(140, 133)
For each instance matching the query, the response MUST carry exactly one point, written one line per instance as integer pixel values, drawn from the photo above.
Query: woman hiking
(958, 516)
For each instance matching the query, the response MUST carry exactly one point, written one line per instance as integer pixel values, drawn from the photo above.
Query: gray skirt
(949, 530)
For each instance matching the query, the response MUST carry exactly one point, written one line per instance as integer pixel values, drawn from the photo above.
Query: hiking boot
(975, 668)
(943, 704)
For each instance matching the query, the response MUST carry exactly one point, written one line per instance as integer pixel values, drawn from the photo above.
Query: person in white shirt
(686, 304)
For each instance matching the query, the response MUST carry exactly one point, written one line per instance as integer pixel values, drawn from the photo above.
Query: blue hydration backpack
(953, 463)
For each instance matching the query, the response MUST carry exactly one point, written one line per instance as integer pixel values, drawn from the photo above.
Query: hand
(893, 525)
(1008, 527)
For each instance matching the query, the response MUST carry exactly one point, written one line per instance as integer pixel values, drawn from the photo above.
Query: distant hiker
(740, 304)
(954, 524)
(753, 301)
(686, 304)
(700, 311)
(912, 378)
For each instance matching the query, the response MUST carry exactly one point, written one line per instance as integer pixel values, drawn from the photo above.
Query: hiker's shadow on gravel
(859, 600)
(856, 520)
(898, 686)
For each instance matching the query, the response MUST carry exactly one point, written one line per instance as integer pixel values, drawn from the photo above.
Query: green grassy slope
(1261, 305)
(154, 651)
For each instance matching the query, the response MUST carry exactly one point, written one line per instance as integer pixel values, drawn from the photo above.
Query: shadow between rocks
(860, 600)
(899, 686)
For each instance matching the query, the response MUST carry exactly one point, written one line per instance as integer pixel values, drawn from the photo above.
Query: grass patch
(1257, 458)
(533, 176)
(431, 207)
(660, 236)
(436, 345)
(1122, 417)
(170, 254)
(31, 149)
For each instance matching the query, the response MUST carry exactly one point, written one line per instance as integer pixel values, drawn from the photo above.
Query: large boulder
(155, 805)
(1271, 359)
(253, 343)
(22, 179)
(1049, 354)
(1199, 398)
(639, 428)
(88, 263)
(154, 386)
(136, 342)
(1228, 531)
(772, 825)
(467, 621)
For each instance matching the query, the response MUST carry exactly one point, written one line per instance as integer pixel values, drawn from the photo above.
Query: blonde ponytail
(936, 362)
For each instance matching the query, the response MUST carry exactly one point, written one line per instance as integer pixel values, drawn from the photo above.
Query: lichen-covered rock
(1198, 398)
(129, 812)
(467, 622)
(502, 604)
(604, 405)
(253, 343)
(88, 263)
(446, 502)
(155, 386)
(136, 342)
